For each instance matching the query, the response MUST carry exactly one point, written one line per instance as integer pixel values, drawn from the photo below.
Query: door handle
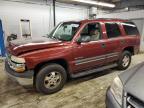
(103, 46)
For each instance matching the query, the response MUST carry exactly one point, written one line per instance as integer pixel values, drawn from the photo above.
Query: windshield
(65, 31)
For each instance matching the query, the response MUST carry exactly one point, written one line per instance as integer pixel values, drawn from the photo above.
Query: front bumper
(24, 79)
(110, 100)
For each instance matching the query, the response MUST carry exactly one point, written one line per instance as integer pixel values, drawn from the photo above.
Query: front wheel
(124, 61)
(50, 79)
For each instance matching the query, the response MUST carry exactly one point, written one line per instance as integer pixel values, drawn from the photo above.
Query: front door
(90, 52)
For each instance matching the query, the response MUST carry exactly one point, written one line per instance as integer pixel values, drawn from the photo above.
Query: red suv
(72, 49)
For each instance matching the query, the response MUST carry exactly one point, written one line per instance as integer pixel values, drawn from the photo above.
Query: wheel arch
(130, 49)
(59, 61)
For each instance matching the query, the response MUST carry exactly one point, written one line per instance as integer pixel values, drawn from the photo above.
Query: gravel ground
(85, 92)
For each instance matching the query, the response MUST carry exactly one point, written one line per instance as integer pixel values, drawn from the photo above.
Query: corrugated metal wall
(39, 14)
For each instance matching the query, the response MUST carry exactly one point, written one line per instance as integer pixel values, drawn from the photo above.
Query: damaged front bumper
(24, 79)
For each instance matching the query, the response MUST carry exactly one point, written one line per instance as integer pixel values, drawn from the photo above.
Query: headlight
(117, 89)
(17, 59)
(17, 64)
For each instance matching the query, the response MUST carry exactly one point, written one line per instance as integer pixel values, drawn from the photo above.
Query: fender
(36, 57)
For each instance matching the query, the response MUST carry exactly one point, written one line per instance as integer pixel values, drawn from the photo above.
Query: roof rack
(110, 19)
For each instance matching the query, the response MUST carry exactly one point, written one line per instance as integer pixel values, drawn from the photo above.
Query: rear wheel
(125, 60)
(50, 79)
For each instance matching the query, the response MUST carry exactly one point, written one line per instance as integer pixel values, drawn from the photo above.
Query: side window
(130, 28)
(92, 31)
(112, 30)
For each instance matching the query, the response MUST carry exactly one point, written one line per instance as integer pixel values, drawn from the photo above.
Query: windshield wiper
(56, 38)
(59, 38)
(48, 36)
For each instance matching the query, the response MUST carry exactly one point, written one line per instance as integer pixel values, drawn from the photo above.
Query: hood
(134, 83)
(20, 46)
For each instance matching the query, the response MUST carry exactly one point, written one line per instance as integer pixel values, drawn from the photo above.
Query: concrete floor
(86, 92)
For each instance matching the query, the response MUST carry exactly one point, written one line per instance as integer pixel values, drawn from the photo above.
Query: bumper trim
(24, 79)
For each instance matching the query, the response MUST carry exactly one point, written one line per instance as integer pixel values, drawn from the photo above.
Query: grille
(133, 102)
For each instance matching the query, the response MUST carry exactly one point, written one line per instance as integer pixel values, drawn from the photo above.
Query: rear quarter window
(130, 28)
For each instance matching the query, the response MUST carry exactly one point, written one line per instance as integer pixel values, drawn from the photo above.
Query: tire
(121, 61)
(50, 79)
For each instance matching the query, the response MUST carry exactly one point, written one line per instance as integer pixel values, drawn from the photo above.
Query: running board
(84, 73)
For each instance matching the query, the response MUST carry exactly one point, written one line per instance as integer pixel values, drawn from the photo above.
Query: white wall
(124, 15)
(136, 15)
(40, 16)
(68, 12)
(11, 13)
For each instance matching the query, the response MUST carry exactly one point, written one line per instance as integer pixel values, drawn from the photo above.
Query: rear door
(114, 41)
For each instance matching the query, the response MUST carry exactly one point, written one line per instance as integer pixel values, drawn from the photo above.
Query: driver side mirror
(83, 39)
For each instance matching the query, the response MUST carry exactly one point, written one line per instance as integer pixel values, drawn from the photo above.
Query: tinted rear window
(130, 28)
(112, 30)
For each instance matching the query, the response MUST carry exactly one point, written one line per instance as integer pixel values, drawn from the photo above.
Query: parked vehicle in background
(127, 89)
(72, 49)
